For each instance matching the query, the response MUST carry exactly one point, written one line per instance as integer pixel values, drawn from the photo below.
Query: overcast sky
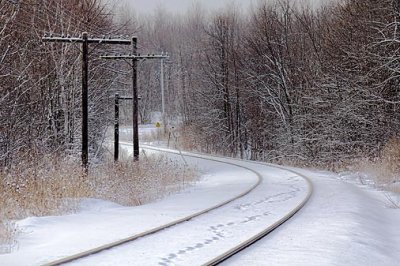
(180, 6)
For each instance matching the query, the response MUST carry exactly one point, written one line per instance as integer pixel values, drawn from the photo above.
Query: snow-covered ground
(43, 239)
(342, 224)
(203, 238)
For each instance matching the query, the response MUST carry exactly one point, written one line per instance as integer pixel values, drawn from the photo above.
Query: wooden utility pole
(85, 41)
(116, 128)
(135, 108)
(135, 57)
(85, 91)
(162, 94)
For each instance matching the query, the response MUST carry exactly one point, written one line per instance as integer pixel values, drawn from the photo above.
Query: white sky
(180, 6)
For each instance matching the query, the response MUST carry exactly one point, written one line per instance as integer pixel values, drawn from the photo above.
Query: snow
(43, 239)
(204, 237)
(342, 224)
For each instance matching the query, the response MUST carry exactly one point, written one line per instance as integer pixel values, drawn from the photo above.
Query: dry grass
(53, 186)
(42, 187)
(37, 188)
(136, 183)
(391, 156)
(155, 135)
(385, 170)
(8, 232)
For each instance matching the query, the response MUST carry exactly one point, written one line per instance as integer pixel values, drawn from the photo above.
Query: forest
(281, 83)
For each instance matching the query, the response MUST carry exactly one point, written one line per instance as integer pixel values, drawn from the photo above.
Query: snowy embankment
(342, 224)
(44, 239)
(203, 238)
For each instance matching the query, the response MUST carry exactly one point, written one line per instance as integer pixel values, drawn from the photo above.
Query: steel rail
(235, 250)
(245, 244)
(229, 253)
(101, 248)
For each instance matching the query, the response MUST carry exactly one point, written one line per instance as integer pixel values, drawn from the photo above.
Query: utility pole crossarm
(62, 39)
(128, 97)
(89, 40)
(125, 98)
(135, 57)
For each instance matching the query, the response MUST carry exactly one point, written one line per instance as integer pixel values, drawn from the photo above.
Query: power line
(135, 57)
(85, 41)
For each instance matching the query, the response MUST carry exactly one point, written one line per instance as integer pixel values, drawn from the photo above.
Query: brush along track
(225, 254)
(162, 227)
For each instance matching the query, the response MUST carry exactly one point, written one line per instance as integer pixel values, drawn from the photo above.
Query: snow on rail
(281, 194)
(51, 239)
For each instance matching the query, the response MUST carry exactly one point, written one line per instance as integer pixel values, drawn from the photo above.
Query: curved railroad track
(235, 250)
(227, 254)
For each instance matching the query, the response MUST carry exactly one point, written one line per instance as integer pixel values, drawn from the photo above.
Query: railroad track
(228, 253)
(235, 250)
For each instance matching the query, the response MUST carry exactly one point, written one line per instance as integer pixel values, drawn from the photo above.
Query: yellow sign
(158, 124)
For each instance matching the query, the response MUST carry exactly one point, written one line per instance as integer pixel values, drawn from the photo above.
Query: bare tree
(41, 84)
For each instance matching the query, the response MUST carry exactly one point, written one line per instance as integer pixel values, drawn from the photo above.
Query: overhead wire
(45, 15)
(52, 14)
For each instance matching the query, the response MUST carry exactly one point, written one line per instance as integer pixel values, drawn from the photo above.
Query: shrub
(52, 186)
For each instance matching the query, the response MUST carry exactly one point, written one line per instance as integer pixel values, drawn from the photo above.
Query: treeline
(285, 82)
(40, 99)
(282, 82)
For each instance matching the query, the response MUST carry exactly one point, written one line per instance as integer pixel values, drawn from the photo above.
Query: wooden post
(116, 128)
(85, 72)
(135, 102)
(162, 94)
